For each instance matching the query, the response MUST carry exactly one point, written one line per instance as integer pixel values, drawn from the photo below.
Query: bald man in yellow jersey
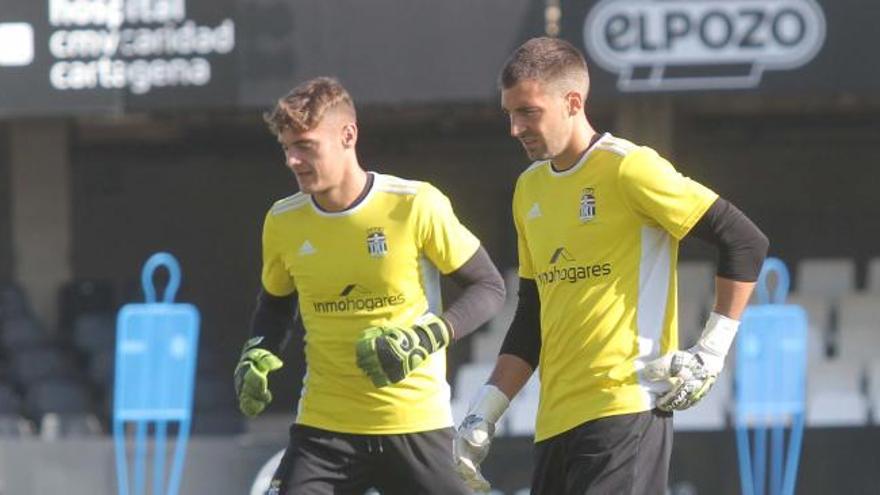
(359, 255)
(598, 223)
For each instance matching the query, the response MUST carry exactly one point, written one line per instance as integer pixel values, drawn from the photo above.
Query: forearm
(732, 297)
(272, 319)
(523, 338)
(481, 298)
(521, 349)
(742, 248)
(510, 374)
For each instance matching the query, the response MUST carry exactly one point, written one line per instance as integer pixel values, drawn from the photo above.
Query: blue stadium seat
(834, 394)
(218, 423)
(101, 369)
(21, 332)
(58, 396)
(858, 327)
(62, 408)
(214, 393)
(33, 365)
(215, 411)
(10, 402)
(84, 296)
(94, 332)
(872, 284)
(13, 302)
(12, 423)
(69, 425)
(828, 277)
(14, 426)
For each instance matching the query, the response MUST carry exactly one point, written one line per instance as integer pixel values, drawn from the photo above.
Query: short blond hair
(304, 106)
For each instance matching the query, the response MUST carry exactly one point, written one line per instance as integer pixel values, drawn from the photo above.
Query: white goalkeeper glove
(693, 372)
(474, 435)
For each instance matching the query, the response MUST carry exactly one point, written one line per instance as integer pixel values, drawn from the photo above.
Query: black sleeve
(523, 339)
(273, 319)
(482, 297)
(742, 246)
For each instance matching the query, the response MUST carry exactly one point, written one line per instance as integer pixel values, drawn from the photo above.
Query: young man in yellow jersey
(358, 254)
(598, 222)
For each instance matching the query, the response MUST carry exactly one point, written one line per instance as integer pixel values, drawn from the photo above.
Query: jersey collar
(589, 151)
(361, 200)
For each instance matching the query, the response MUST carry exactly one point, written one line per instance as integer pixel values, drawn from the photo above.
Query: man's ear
(349, 135)
(574, 102)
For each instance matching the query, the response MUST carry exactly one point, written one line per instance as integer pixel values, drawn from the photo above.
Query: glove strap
(432, 331)
(718, 334)
(251, 343)
(489, 403)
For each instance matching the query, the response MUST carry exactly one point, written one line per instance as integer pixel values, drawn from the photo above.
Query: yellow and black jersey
(375, 263)
(601, 242)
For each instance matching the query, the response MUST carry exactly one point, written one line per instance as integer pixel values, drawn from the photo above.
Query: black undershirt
(741, 245)
(482, 297)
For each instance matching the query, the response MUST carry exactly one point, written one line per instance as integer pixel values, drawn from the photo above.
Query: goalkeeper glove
(251, 377)
(388, 354)
(474, 436)
(693, 372)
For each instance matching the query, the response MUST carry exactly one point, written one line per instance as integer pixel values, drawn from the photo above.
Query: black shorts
(621, 455)
(320, 462)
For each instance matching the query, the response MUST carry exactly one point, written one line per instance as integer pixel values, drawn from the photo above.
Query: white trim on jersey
(655, 270)
(396, 185)
(302, 395)
(617, 145)
(535, 166)
(431, 285)
(289, 203)
(599, 144)
(580, 163)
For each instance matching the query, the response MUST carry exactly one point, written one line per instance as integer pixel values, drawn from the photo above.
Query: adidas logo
(307, 249)
(534, 212)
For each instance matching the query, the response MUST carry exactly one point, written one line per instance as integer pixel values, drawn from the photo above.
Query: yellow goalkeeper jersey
(601, 241)
(375, 263)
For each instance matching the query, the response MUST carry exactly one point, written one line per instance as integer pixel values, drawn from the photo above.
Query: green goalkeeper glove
(251, 377)
(388, 354)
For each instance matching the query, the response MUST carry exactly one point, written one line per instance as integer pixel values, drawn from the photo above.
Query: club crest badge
(377, 244)
(588, 205)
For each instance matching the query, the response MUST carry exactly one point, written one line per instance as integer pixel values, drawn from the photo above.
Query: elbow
(757, 250)
(762, 245)
(498, 291)
(760, 248)
(744, 262)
